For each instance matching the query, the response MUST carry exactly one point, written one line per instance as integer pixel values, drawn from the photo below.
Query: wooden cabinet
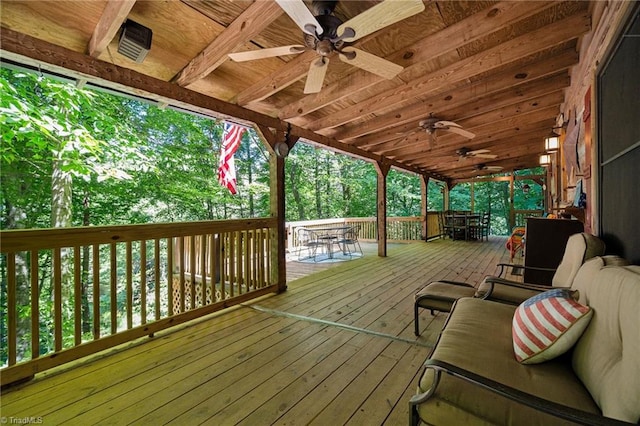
(545, 243)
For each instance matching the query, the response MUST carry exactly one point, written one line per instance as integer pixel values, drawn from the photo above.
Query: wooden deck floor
(336, 348)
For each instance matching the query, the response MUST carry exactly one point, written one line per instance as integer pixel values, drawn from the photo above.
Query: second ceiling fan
(328, 35)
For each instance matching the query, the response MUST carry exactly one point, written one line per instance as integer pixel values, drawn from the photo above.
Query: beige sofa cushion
(477, 337)
(580, 247)
(606, 358)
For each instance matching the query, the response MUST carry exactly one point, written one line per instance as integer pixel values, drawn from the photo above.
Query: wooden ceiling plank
(489, 115)
(534, 90)
(525, 148)
(508, 52)
(251, 22)
(114, 14)
(505, 144)
(472, 28)
(493, 119)
(459, 96)
(487, 140)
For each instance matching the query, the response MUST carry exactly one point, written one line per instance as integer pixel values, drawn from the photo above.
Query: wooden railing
(520, 216)
(398, 228)
(71, 292)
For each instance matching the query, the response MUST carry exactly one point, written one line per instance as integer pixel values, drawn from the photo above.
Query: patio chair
(349, 239)
(308, 240)
(441, 295)
(480, 230)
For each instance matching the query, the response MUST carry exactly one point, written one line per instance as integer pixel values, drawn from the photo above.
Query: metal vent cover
(135, 41)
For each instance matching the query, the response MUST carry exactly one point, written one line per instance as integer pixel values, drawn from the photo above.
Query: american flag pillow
(547, 325)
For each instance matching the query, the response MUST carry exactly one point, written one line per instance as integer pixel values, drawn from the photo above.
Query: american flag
(231, 138)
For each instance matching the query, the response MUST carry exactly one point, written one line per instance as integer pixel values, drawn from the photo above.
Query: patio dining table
(461, 224)
(328, 236)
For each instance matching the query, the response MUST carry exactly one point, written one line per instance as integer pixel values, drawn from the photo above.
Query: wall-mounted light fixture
(282, 148)
(552, 143)
(545, 160)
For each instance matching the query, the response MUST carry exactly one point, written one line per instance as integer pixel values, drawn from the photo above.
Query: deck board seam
(276, 312)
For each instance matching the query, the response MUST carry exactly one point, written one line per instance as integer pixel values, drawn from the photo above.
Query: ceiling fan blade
(479, 151)
(315, 76)
(301, 15)
(250, 55)
(457, 129)
(485, 155)
(371, 63)
(379, 16)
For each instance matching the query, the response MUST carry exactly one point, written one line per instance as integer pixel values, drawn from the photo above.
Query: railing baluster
(96, 291)
(182, 288)
(57, 298)
(192, 270)
(129, 279)
(35, 304)
(143, 282)
(156, 275)
(77, 296)
(12, 308)
(113, 294)
(203, 268)
(170, 276)
(213, 265)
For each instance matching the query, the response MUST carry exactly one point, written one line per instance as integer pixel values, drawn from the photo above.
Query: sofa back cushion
(606, 356)
(580, 247)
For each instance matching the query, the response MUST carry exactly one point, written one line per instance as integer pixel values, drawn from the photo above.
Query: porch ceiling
(499, 69)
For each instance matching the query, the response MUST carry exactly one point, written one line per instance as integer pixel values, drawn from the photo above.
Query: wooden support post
(445, 196)
(512, 213)
(383, 171)
(473, 201)
(277, 197)
(424, 195)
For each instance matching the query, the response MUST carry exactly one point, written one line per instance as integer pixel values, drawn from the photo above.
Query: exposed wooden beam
(446, 40)
(250, 23)
(520, 47)
(114, 14)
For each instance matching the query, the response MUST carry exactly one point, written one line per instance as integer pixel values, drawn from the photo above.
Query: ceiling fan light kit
(327, 35)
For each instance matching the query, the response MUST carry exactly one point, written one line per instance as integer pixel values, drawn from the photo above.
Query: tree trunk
(318, 182)
(293, 187)
(23, 289)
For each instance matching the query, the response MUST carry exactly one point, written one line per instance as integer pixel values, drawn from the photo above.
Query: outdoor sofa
(472, 375)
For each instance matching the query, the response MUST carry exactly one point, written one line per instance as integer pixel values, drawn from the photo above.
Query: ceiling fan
(465, 153)
(328, 35)
(433, 124)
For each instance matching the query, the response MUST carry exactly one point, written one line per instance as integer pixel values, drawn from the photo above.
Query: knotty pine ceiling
(499, 69)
